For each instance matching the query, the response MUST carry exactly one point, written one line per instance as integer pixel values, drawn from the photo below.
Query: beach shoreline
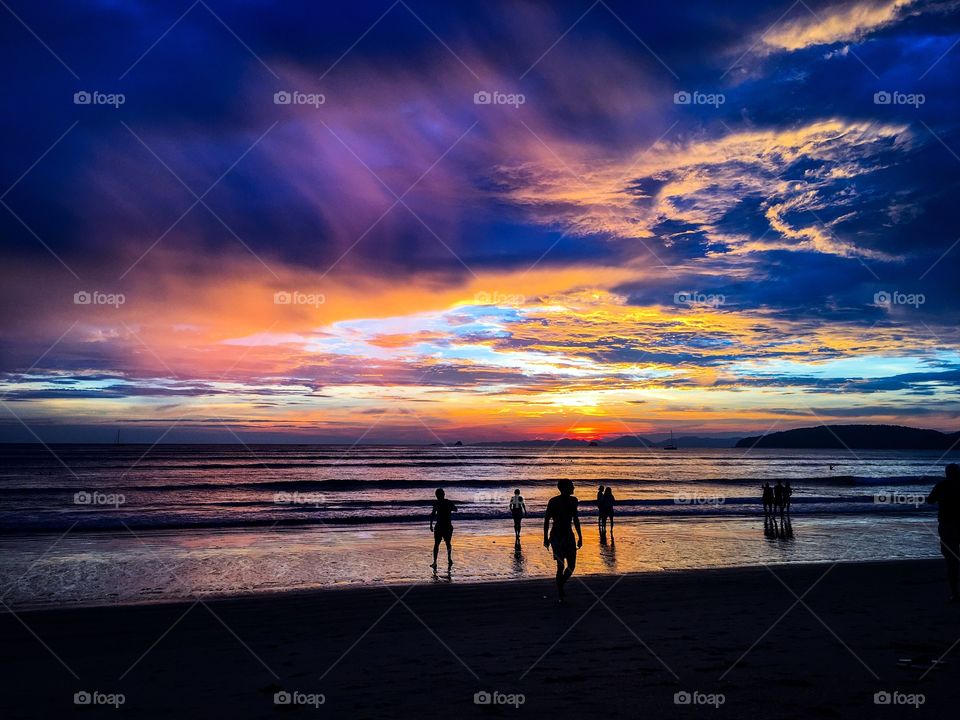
(402, 651)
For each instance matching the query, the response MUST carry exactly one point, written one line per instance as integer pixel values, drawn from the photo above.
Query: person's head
(440, 493)
(601, 488)
(608, 491)
(565, 487)
(517, 491)
(779, 482)
(953, 472)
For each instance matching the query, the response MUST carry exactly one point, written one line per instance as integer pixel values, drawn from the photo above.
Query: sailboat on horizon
(670, 445)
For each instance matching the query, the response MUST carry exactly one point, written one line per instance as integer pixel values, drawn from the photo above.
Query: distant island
(855, 437)
(625, 441)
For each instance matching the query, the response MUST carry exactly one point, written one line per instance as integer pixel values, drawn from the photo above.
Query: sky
(426, 222)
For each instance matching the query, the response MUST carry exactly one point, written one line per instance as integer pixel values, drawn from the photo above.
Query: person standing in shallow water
(767, 499)
(441, 524)
(562, 509)
(519, 511)
(946, 494)
(601, 524)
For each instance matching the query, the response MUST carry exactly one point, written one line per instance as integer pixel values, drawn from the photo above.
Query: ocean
(97, 524)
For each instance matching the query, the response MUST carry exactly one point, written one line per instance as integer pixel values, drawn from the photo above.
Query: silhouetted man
(767, 499)
(946, 494)
(443, 530)
(562, 509)
(778, 496)
(787, 494)
(601, 520)
(519, 510)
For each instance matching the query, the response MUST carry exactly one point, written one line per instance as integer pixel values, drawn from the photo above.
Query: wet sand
(425, 650)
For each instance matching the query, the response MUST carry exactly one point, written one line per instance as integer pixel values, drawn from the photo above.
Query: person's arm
(453, 508)
(934, 496)
(433, 515)
(576, 524)
(546, 527)
(523, 506)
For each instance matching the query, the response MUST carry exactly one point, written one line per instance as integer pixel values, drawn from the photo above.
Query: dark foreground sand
(370, 656)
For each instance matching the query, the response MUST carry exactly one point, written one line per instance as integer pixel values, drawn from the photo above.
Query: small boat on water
(670, 445)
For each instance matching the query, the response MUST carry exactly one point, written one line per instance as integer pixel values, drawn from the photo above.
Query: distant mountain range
(855, 437)
(826, 437)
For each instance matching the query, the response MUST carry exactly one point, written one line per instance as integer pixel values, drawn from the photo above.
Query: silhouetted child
(443, 530)
(600, 519)
(562, 509)
(519, 510)
(946, 494)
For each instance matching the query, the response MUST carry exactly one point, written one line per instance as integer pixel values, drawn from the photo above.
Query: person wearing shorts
(519, 510)
(562, 509)
(441, 523)
(946, 494)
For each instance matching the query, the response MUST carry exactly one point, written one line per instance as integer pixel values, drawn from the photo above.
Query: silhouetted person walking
(946, 494)
(767, 499)
(778, 496)
(562, 509)
(441, 524)
(787, 494)
(519, 511)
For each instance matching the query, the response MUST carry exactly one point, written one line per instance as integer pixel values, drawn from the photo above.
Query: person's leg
(571, 566)
(436, 549)
(950, 547)
(447, 539)
(560, 579)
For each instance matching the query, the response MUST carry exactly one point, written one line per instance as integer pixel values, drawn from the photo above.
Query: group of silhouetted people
(605, 502)
(561, 519)
(776, 499)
